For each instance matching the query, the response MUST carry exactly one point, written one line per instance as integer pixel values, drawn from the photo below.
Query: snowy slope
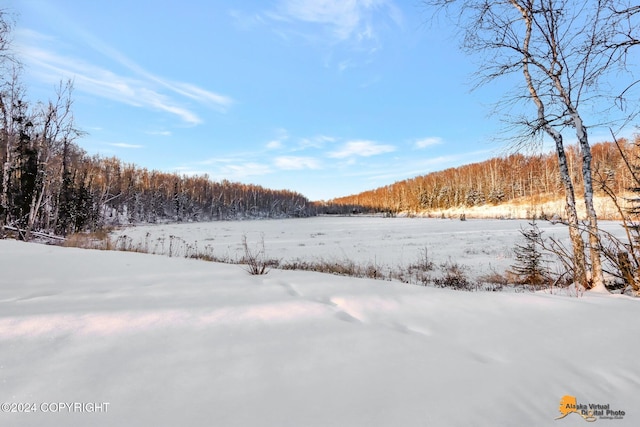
(170, 341)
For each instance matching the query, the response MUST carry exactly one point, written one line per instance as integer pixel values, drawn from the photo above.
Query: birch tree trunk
(577, 243)
(597, 276)
(6, 163)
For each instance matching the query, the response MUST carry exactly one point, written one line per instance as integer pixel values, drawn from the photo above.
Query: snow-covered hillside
(170, 341)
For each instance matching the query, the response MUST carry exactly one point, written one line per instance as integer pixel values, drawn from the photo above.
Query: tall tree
(566, 51)
(10, 93)
(54, 132)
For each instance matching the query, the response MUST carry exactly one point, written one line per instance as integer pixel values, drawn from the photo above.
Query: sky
(324, 97)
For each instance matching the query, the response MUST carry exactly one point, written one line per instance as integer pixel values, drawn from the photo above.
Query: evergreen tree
(530, 265)
(23, 175)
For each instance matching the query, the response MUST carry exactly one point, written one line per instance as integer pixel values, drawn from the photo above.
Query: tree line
(49, 184)
(512, 178)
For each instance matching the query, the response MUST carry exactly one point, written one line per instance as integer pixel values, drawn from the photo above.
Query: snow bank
(169, 341)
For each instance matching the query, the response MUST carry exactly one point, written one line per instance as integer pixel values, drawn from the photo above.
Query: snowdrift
(111, 338)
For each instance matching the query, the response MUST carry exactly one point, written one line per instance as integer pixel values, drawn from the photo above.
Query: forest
(512, 178)
(51, 185)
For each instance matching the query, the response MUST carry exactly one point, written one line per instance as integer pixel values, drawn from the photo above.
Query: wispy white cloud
(361, 148)
(125, 145)
(198, 94)
(243, 170)
(245, 21)
(274, 145)
(343, 19)
(358, 26)
(318, 141)
(139, 88)
(227, 159)
(296, 163)
(225, 169)
(187, 171)
(160, 132)
(383, 172)
(345, 65)
(427, 142)
(283, 140)
(281, 136)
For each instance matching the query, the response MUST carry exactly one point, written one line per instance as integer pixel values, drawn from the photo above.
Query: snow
(481, 246)
(174, 341)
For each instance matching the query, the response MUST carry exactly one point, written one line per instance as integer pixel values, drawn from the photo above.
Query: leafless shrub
(418, 272)
(175, 243)
(424, 262)
(341, 268)
(495, 278)
(124, 243)
(494, 281)
(256, 260)
(454, 277)
(344, 267)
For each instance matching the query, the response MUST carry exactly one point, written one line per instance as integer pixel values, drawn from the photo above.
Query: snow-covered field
(92, 338)
(482, 246)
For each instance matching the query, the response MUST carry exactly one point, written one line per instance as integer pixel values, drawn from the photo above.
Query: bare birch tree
(55, 131)
(10, 91)
(568, 52)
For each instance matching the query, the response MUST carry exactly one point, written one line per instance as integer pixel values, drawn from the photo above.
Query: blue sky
(323, 97)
